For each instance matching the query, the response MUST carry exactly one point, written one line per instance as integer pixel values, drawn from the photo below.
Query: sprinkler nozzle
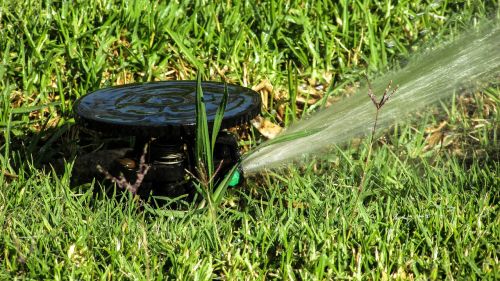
(237, 177)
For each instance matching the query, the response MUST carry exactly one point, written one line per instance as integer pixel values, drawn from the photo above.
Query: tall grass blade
(292, 90)
(28, 109)
(5, 164)
(219, 115)
(203, 147)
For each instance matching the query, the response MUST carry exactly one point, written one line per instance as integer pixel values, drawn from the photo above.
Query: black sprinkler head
(163, 115)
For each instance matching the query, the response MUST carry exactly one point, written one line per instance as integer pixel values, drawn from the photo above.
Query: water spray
(426, 79)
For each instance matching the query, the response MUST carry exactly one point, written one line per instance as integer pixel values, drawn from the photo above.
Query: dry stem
(122, 182)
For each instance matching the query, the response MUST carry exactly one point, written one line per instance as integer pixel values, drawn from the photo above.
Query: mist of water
(427, 78)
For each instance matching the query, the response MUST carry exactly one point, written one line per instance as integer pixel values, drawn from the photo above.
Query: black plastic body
(173, 166)
(163, 115)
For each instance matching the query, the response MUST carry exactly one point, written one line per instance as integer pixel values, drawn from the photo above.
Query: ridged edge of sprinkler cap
(99, 110)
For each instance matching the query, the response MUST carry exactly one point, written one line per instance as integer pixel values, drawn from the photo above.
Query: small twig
(122, 182)
(143, 170)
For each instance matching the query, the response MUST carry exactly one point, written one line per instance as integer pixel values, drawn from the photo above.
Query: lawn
(428, 207)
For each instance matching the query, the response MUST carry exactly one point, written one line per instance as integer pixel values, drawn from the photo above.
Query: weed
(378, 105)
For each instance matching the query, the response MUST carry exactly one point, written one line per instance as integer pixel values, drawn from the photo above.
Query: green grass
(429, 210)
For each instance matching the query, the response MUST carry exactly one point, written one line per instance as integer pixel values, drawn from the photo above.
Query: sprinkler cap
(166, 108)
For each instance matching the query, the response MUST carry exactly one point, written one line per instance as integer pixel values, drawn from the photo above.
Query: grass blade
(219, 115)
(203, 147)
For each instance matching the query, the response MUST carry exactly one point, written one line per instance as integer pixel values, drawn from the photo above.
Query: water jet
(471, 59)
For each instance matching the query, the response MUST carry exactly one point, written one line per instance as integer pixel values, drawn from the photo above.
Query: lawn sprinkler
(162, 117)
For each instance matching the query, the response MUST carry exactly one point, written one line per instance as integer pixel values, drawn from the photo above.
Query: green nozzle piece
(235, 179)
